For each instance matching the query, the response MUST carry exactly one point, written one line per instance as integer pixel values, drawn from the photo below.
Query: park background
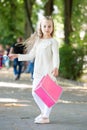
(19, 18)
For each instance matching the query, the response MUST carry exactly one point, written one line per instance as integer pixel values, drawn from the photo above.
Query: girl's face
(47, 27)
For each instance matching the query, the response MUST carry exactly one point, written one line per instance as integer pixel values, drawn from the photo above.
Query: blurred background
(18, 18)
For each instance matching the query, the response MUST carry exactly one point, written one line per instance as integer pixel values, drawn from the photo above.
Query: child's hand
(12, 56)
(55, 72)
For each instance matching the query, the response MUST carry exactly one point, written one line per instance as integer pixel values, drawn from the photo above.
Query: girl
(46, 54)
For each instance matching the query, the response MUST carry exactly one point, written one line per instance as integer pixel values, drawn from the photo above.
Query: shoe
(38, 117)
(17, 77)
(42, 121)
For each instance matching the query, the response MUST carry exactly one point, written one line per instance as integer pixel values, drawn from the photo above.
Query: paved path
(18, 109)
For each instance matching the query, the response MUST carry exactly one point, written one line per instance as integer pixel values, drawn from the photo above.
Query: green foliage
(71, 61)
(11, 21)
(79, 22)
(72, 56)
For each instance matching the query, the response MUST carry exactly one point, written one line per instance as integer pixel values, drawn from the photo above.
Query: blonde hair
(37, 34)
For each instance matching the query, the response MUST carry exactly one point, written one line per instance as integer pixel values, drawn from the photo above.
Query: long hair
(29, 42)
(38, 34)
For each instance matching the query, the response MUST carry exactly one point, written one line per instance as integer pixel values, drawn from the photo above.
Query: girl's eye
(44, 26)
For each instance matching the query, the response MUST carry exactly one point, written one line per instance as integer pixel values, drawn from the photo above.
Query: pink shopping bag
(48, 91)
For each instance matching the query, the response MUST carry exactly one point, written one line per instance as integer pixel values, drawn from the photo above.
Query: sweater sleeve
(27, 57)
(55, 51)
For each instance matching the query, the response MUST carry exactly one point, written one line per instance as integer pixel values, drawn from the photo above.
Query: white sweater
(46, 54)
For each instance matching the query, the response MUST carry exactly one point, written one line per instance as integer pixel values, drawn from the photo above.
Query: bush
(71, 62)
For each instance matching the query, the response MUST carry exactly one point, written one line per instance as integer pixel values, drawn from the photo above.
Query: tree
(67, 19)
(48, 7)
(28, 9)
(11, 20)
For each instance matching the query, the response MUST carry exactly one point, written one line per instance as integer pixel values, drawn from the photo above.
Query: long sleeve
(55, 50)
(27, 57)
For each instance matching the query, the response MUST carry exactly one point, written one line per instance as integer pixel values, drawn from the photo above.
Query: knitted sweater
(46, 54)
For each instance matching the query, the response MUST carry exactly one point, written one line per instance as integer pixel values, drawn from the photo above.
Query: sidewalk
(18, 109)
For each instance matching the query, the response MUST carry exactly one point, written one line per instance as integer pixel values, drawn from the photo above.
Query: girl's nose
(47, 29)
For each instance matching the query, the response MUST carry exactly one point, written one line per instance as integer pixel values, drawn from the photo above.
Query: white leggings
(43, 108)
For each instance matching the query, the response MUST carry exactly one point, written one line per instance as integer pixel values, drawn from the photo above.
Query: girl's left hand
(55, 72)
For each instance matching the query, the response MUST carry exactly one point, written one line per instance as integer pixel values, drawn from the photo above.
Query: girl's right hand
(12, 56)
(55, 72)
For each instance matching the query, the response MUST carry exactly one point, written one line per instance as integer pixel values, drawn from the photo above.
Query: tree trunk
(28, 26)
(67, 19)
(48, 7)
(11, 24)
(11, 21)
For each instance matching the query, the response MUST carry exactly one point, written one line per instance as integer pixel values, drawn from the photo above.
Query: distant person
(46, 55)
(17, 48)
(30, 68)
(5, 57)
(1, 55)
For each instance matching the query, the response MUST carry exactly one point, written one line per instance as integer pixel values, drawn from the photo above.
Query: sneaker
(42, 121)
(17, 77)
(38, 117)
